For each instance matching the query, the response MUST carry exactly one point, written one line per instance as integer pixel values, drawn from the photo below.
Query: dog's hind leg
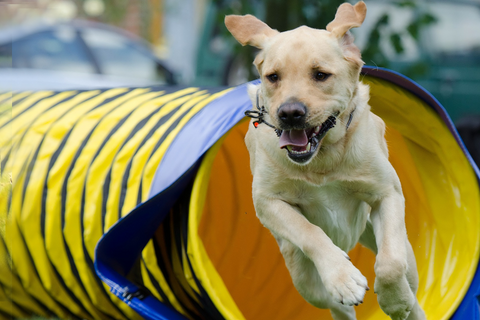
(308, 283)
(368, 238)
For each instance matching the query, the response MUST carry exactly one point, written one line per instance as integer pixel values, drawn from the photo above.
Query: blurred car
(76, 55)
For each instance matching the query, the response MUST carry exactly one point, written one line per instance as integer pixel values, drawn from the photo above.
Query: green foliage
(406, 3)
(373, 51)
(396, 42)
(115, 11)
(422, 21)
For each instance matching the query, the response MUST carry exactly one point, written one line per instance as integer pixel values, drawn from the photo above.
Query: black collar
(258, 116)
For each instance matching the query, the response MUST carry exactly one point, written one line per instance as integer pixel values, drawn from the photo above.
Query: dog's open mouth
(302, 144)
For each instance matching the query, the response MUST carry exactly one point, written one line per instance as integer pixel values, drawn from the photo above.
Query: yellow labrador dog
(322, 179)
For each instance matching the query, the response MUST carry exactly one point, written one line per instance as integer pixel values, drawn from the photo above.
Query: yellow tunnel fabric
(238, 261)
(79, 161)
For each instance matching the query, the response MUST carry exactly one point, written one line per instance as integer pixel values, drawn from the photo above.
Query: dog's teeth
(307, 149)
(317, 130)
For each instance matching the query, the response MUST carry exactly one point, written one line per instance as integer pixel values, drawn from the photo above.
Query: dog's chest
(333, 208)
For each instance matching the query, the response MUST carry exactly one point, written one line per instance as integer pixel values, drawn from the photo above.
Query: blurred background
(64, 44)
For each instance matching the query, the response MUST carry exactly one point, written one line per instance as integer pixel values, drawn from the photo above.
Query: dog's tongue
(297, 138)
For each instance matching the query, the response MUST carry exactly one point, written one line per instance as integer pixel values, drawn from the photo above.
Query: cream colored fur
(347, 191)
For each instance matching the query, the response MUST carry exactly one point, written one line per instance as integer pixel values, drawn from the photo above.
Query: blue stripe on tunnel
(119, 248)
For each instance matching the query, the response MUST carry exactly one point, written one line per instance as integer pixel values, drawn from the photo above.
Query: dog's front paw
(344, 282)
(394, 296)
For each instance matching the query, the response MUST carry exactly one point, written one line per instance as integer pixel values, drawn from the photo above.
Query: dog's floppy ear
(249, 30)
(347, 17)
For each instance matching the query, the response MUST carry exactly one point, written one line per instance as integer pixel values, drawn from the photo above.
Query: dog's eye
(320, 76)
(272, 77)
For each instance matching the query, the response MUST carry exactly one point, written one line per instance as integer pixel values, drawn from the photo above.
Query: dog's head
(309, 76)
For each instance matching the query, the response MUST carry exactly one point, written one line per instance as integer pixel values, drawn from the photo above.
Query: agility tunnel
(133, 203)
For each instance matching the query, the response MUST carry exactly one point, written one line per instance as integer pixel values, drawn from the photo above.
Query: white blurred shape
(94, 8)
(62, 10)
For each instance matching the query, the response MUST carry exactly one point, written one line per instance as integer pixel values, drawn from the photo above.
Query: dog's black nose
(292, 114)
